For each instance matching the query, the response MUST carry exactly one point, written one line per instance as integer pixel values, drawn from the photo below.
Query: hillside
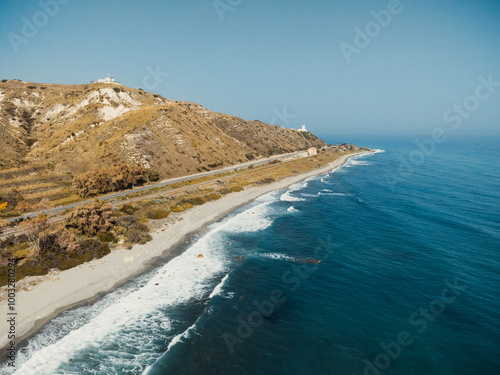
(50, 132)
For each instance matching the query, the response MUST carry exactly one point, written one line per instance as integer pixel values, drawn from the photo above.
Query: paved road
(156, 185)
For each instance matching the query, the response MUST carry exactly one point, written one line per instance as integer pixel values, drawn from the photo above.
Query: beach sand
(39, 299)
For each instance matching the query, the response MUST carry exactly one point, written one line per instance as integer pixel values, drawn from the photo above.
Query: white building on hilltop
(303, 129)
(108, 79)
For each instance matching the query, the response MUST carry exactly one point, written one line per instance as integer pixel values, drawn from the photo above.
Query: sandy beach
(39, 299)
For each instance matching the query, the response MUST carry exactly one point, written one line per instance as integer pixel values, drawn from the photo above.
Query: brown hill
(50, 132)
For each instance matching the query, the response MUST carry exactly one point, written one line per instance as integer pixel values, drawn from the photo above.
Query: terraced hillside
(49, 133)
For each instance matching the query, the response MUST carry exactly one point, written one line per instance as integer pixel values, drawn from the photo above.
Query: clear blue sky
(265, 56)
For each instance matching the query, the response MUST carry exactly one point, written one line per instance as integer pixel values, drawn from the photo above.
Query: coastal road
(162, 183)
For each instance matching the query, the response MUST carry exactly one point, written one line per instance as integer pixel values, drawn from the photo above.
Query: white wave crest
(298, 185)
(360, 162)
(287, 197)
(276, 256)
(335, 194)
(218, 289)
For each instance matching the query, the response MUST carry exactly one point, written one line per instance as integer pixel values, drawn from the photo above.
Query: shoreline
(38, 304)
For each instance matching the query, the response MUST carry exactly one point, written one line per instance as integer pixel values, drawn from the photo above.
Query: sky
(340, 67)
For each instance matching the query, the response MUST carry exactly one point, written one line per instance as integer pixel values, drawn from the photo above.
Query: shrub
(106, 237)
(197, 201)
(138, 236)
(57, 240)
(212, 197)
(59, 249)
(216, 164)
(91, 248)
(91, 218)
(119, 177)
(267, 180)
(153, 175)
(128, 209)
(34, 228)
(182, 207)
(156, 214)
(30, 142)
(23, 207)
(128, 221)
(133, 229)
(11, 241)
(236, 188)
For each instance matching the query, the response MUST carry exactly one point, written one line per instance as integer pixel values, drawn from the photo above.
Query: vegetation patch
(86, 233)
(156, 214)
(133, 229)
(121, 176)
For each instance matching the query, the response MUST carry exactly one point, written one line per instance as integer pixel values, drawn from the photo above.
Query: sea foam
(141, 315)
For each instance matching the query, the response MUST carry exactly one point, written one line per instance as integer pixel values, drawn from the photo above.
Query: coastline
(58, 291)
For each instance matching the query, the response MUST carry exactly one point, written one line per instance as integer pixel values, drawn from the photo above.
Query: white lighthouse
(303, 129)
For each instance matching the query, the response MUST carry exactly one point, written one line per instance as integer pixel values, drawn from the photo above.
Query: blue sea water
(388, 265)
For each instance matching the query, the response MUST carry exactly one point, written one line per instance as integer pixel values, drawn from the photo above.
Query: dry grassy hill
(49, 132)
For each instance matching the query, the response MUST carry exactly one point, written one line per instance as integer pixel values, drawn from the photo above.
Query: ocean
(387, 265)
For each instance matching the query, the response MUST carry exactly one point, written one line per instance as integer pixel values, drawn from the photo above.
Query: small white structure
(312, 151)
(303, 129)
(108, 79)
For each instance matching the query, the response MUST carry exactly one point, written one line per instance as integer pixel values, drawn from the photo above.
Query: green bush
(92, 248)
(133, 229)
(267, 180)
(87, 250)
(153, 175)
(197, 201)
(138, 236)
(128, 209)
(106, 237)
(156, 214)
(182, 207)
(212, 197)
